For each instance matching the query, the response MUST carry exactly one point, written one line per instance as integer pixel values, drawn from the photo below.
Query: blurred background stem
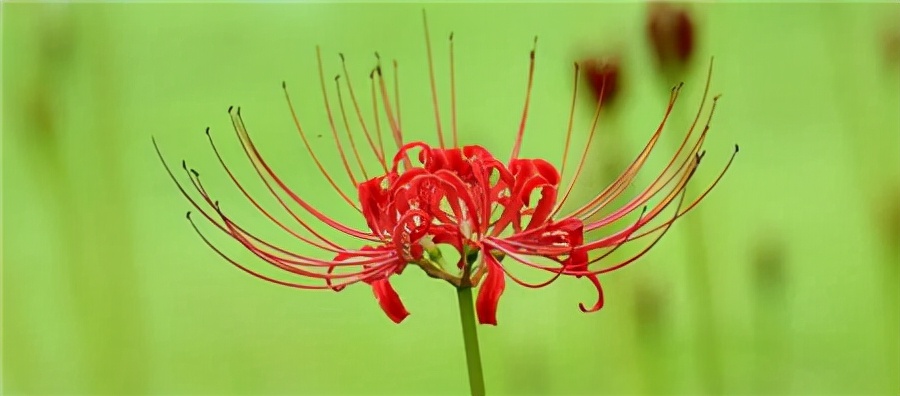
(698, 278)
(871, 136)
(85, 189)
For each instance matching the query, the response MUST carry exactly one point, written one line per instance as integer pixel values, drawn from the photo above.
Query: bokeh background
(785, 281)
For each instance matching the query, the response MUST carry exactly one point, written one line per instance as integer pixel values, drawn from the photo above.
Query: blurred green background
(785, 281)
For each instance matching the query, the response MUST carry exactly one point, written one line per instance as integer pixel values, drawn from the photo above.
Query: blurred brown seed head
(891, 37)
(887, 214)
(603, 76)
(670, 30)
(649, 305)
(769, 262)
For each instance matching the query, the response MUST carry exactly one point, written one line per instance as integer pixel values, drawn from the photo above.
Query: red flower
(497, 214)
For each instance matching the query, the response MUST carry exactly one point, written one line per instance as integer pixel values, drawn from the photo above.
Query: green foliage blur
(784, 281)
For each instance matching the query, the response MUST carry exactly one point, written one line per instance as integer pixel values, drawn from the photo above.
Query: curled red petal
(389, 300)
(599, 303)
(490, 291)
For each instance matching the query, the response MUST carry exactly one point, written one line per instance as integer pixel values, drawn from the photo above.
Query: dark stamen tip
(577, 66)
(337, 77)
(230, 108)
(341, 54)
(531, 54)
(216, 203)
(283, 84)
(207, 131)
(239, 111)
(377, 56)
(378, 70)
(451, 36)
(715, 98)
(737, 148)
(372, 74)
(188, 215)
(196, 174)
(184, 164)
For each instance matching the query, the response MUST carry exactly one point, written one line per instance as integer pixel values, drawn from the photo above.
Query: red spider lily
(496, 214)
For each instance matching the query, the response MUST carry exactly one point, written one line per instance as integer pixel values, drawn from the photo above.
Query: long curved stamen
(666, 201)
(587, 148)
(264, 277)
(696, 201)
(524, 119)
(434, 96)
(648, 193)
(311, 152)
(362, 123)
(337, 86)
(630, 172)
(377, 119)
(292, 265)
(617, 240)
(249, 147)
(453, 94)
(680, 190)
(557, 272)
(331, 246)
(565, 156)
(630, 260)
(655, 186)
(645, 250)
(208, 200)
(194, 177)
(337, 141)
(395, 126)
(396, 70)
(528, 249)
(620, 186)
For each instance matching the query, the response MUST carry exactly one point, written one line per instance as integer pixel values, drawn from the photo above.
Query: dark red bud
(670, 29)
(603, 76)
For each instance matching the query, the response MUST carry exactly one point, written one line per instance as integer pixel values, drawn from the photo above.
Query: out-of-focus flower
(891, 39)
(498, 215)
(887, 213)
(649, 304)
(603, 75)
(670, 29)
(769, 261)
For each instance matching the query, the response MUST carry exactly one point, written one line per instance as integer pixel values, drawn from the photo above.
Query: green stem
(470, 338)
